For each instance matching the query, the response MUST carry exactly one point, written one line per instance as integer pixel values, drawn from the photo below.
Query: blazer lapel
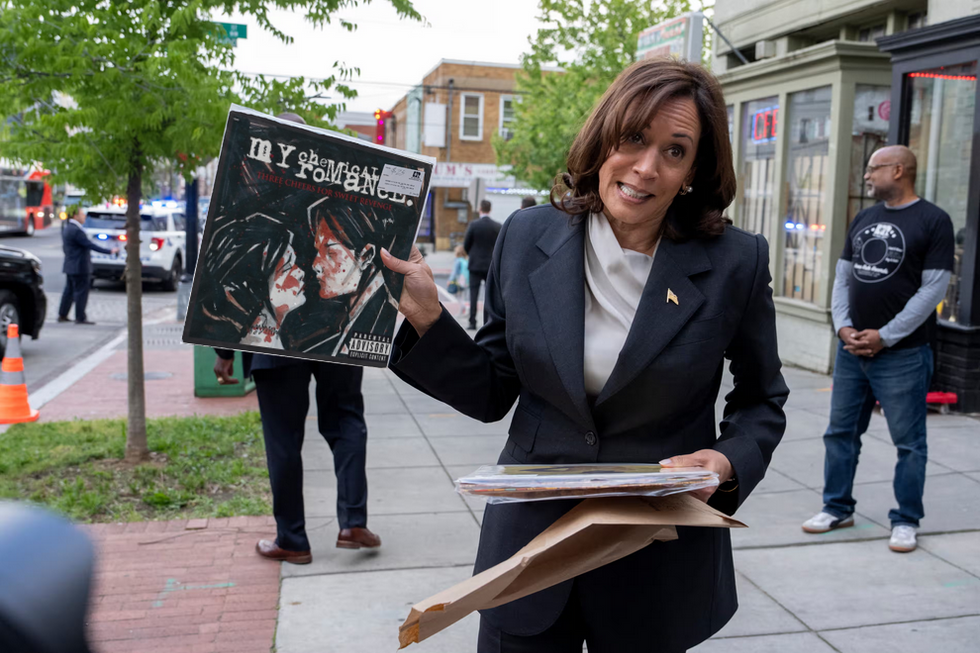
(558, 287)
(669, 300)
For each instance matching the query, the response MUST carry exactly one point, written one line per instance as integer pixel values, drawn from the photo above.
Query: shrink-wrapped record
(504, 483)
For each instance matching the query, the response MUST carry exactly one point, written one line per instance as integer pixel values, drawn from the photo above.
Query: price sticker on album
(395, 179)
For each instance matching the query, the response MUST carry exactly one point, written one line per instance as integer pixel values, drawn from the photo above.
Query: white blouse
(614, 281)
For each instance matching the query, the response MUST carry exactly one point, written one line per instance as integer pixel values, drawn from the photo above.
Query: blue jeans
(899, 379)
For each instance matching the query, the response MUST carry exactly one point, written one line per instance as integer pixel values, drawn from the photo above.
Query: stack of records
(511, 483)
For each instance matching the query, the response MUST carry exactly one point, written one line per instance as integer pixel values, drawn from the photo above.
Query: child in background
(459, 278)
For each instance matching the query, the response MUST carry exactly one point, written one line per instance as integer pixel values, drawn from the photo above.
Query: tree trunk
(136, 446)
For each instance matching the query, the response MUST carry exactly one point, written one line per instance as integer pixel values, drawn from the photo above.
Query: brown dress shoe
(355, 538)
(269, 549)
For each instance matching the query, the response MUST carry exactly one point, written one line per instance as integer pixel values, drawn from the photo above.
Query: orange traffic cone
(13, 388)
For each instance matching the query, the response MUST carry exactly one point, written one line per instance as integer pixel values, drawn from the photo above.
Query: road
(60, 345)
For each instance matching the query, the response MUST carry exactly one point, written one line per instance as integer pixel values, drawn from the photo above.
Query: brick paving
(99, 395)
(186, 586)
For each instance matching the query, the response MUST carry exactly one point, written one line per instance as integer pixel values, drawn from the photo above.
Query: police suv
(162, 241)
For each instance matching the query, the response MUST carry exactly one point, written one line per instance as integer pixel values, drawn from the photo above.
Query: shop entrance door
(940, 125)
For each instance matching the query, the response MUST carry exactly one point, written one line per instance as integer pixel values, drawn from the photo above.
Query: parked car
(22, 299)
(162, 242)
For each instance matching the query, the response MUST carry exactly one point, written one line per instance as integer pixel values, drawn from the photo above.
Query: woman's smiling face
(639, 180)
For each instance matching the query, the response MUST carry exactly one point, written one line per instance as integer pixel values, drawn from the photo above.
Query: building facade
(814, 87)
(454, 114)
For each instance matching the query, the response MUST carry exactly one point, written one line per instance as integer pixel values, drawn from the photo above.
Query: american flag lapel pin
(671, 297)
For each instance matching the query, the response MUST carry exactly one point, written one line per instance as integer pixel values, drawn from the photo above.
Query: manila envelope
(590, 535)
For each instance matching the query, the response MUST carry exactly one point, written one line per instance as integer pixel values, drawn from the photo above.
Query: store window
(806, 173)
(869, 132)
(760, 123)
(731, 121)
(471, 117)
(506, 116)
(940, 126)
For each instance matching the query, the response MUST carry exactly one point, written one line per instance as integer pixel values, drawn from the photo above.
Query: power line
(376, 83)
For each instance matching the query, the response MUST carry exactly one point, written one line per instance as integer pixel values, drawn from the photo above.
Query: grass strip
(199, 467)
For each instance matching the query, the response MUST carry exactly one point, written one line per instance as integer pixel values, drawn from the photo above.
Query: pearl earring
(686, 190)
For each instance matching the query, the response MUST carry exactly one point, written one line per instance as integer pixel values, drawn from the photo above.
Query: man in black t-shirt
(893, 272)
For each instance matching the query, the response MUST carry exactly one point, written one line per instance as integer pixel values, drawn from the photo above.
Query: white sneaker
(903, 539)
(824, 521)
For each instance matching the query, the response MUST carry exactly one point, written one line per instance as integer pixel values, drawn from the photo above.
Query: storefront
(935, 95)
(803, 127)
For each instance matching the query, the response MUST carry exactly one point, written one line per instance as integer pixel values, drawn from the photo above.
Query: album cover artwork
(290, 259)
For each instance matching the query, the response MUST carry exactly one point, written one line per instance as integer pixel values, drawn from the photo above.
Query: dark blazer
(659, 401)
(78, 250)
(478, 242)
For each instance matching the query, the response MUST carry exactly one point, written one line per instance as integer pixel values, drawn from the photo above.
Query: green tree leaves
(83, 81)
(593, 41)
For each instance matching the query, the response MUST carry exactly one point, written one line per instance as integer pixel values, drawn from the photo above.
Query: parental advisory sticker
(367, 346)
(395, 179)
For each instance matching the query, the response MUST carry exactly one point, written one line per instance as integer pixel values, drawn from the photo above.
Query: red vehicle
(25, 201)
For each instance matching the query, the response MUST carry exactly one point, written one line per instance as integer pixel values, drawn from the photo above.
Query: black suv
(22, 299)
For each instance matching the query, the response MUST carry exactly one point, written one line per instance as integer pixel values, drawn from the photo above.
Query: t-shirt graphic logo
(879, 250)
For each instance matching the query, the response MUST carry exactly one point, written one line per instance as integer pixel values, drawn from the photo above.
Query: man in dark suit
(77, 267)
(480, 238)
(283, 388)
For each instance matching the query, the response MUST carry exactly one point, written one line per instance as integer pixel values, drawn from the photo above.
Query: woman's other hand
(713, 461)
(419, 302)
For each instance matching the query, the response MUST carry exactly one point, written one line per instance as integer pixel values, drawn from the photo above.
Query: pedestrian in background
(894, 270)
(77, 266)
(459, 278)
(480, 238)
(283, 388)
(527, 202)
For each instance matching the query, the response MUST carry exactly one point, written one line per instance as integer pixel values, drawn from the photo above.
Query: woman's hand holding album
(419, 302)
(712, 460)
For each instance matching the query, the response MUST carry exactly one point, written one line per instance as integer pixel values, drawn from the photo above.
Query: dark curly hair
(242, 258)
(627, 107)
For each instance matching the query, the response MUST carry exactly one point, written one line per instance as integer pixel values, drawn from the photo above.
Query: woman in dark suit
(608, 317)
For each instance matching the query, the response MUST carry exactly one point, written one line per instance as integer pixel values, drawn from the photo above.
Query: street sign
(231, 32)
(679, 37)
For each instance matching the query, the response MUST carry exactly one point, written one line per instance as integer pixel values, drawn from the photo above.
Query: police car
(162, 241)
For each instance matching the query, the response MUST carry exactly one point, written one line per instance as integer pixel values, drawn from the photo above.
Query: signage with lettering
(679, 37)
(461, 175)
(764, 123)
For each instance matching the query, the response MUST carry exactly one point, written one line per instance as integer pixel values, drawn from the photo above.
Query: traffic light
(380, 115)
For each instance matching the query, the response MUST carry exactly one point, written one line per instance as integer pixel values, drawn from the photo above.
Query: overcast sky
(393, 54)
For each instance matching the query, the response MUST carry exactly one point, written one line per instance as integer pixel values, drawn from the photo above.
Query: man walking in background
(283, 388)
(77, 266)
(480, 238)
(894, 270)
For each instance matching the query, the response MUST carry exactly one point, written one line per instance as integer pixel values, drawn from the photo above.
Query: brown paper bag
(590, 535)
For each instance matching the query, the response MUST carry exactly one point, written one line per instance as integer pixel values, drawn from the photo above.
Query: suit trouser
(566, 635)
(476, 279)
(284, 400)
(76, 289)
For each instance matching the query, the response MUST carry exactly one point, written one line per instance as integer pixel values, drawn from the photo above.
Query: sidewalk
(168, 368)
(843, 591)
(198, 587)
